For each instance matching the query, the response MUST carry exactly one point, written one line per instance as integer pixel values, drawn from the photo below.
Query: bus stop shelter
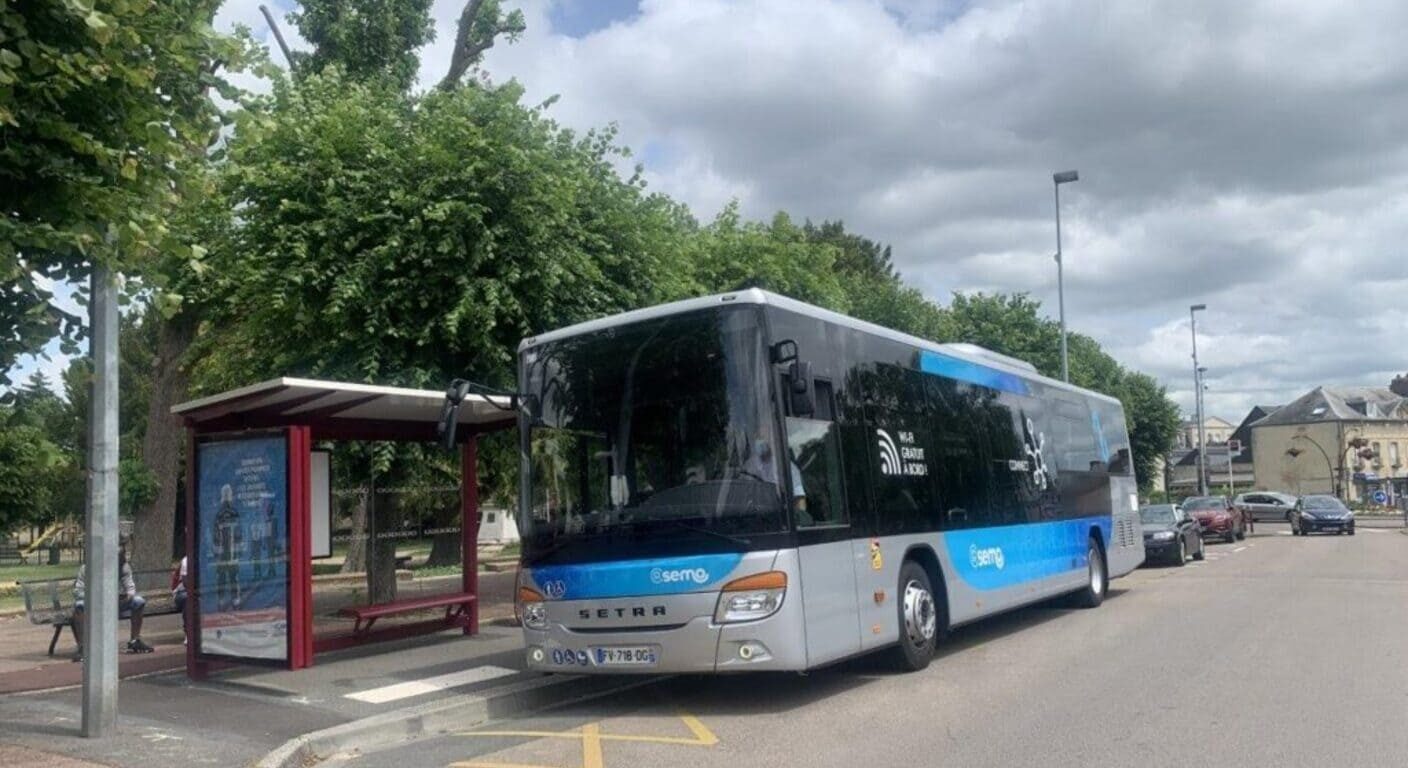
(253, 518)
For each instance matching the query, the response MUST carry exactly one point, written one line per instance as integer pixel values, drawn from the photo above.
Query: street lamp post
(1294, 452)
(1198, 398)
(1064, 177)
(1201, 374)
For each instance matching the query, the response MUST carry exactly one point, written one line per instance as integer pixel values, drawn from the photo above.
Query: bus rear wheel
(918, 617)
(1093, 593)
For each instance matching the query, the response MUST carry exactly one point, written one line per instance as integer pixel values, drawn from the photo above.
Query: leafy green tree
(732, 254)
(481, 23)
(858, 256)
(1153, 423)
(367, 39)
(27, 463)
(101, 104)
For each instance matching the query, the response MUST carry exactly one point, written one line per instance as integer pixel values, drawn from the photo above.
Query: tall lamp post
(1198, 398)
(1200, 375)
(1064, 177)
(1295, 452)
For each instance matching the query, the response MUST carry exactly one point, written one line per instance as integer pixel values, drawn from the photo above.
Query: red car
(1217, 517)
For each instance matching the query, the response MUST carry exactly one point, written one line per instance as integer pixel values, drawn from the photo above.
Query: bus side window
(814, 450)
(961, 454)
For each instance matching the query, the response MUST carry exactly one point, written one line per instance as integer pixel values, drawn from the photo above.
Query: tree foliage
(28, 461)
(101, 104)
(367, 39)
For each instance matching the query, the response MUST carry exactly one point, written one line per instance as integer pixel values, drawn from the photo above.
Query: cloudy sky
(1250, 155)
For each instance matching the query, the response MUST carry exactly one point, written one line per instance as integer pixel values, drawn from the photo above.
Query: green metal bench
(49, 602)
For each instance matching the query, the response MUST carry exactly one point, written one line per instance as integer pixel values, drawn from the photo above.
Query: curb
(450, 714)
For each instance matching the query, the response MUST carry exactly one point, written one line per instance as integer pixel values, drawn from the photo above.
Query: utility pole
(1064, 177)
(101, 533)
(1198, 399)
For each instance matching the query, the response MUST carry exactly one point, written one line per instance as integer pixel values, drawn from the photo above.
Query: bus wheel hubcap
(1097, 575)
(919, 617)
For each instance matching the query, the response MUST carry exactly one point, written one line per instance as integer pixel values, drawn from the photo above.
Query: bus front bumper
(700, 645)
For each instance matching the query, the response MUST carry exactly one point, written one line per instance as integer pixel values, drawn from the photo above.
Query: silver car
(1266, 505)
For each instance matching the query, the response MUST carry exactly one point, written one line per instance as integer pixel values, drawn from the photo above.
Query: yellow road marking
(591, 746)
(704, 736)
(591, 737)
(472, 764)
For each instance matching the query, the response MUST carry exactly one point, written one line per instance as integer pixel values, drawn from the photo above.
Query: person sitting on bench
(128, 600)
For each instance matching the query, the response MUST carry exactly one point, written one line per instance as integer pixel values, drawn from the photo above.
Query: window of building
(1393, 455)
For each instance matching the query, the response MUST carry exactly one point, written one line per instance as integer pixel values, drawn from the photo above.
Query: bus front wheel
(1093, 593)
(918, 617)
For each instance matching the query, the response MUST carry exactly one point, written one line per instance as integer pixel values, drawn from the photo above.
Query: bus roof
(964, 351)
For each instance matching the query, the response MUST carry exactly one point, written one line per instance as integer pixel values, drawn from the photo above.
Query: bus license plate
(643, 655)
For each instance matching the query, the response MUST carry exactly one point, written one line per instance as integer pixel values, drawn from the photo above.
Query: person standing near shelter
(179, 593)
(128, 602)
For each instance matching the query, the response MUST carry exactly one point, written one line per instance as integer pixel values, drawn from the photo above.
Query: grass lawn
(9, 574)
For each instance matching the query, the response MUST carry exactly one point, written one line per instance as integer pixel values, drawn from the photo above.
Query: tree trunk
(163, 446)
(445, 547)
(381, 552)
(356, 561)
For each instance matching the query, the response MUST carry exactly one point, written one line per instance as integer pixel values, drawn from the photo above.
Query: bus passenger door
(823, 533)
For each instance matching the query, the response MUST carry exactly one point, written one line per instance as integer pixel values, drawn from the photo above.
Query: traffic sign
(1380, 497)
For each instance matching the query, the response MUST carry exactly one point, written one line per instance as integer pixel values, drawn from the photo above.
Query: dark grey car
(1262, 506)
(1170, 534)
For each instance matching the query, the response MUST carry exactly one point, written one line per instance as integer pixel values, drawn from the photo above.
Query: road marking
(592, 738)
(406, 690)
(1239, 549)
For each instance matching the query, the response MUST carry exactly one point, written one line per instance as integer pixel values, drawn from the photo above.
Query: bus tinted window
(902, 439)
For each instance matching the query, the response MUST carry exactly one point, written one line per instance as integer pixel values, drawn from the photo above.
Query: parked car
(1170, 535)
(1217, 517)
(1265, 505)
(1321, 513)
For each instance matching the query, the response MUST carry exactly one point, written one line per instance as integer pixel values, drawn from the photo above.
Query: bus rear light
(751, 597)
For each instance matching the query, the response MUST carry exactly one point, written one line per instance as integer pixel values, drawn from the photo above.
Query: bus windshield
(651, 437)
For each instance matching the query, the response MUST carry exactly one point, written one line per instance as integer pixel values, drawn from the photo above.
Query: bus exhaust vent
(974, 350)
(1126, 534)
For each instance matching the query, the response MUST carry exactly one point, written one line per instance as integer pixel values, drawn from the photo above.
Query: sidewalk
(362, 698)
(25, 666)
(359, 698)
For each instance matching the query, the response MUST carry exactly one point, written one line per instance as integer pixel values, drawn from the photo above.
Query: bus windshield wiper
(716, 534)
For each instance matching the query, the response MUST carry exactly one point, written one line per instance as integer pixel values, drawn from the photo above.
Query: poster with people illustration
(242, 548)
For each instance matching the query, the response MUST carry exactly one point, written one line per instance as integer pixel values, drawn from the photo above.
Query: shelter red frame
(309, 410)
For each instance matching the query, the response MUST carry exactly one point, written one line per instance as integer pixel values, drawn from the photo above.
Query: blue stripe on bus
(1006, 556)
(634, 578)
(973, 373)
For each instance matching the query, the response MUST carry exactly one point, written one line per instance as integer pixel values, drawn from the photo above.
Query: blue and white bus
(747, 482)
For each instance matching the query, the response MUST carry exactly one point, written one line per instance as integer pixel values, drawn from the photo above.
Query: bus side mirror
(799, 384)
(450, 412)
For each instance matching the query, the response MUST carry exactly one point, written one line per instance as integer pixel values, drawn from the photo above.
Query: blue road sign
(1380, 497)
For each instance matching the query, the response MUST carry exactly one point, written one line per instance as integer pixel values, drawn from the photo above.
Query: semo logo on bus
(675, 576)
(983, 557)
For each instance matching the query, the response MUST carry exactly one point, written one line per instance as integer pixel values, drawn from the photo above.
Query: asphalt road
(1277, 651)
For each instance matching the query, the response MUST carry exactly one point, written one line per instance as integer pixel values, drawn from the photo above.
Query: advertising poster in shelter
(242, 542)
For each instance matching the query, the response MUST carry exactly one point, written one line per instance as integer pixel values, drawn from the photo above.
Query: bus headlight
(532, 608)
(751, 597)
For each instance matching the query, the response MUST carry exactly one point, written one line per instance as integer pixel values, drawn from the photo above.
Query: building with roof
(1347, 440)
(1215, 430)
(1183, 477)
